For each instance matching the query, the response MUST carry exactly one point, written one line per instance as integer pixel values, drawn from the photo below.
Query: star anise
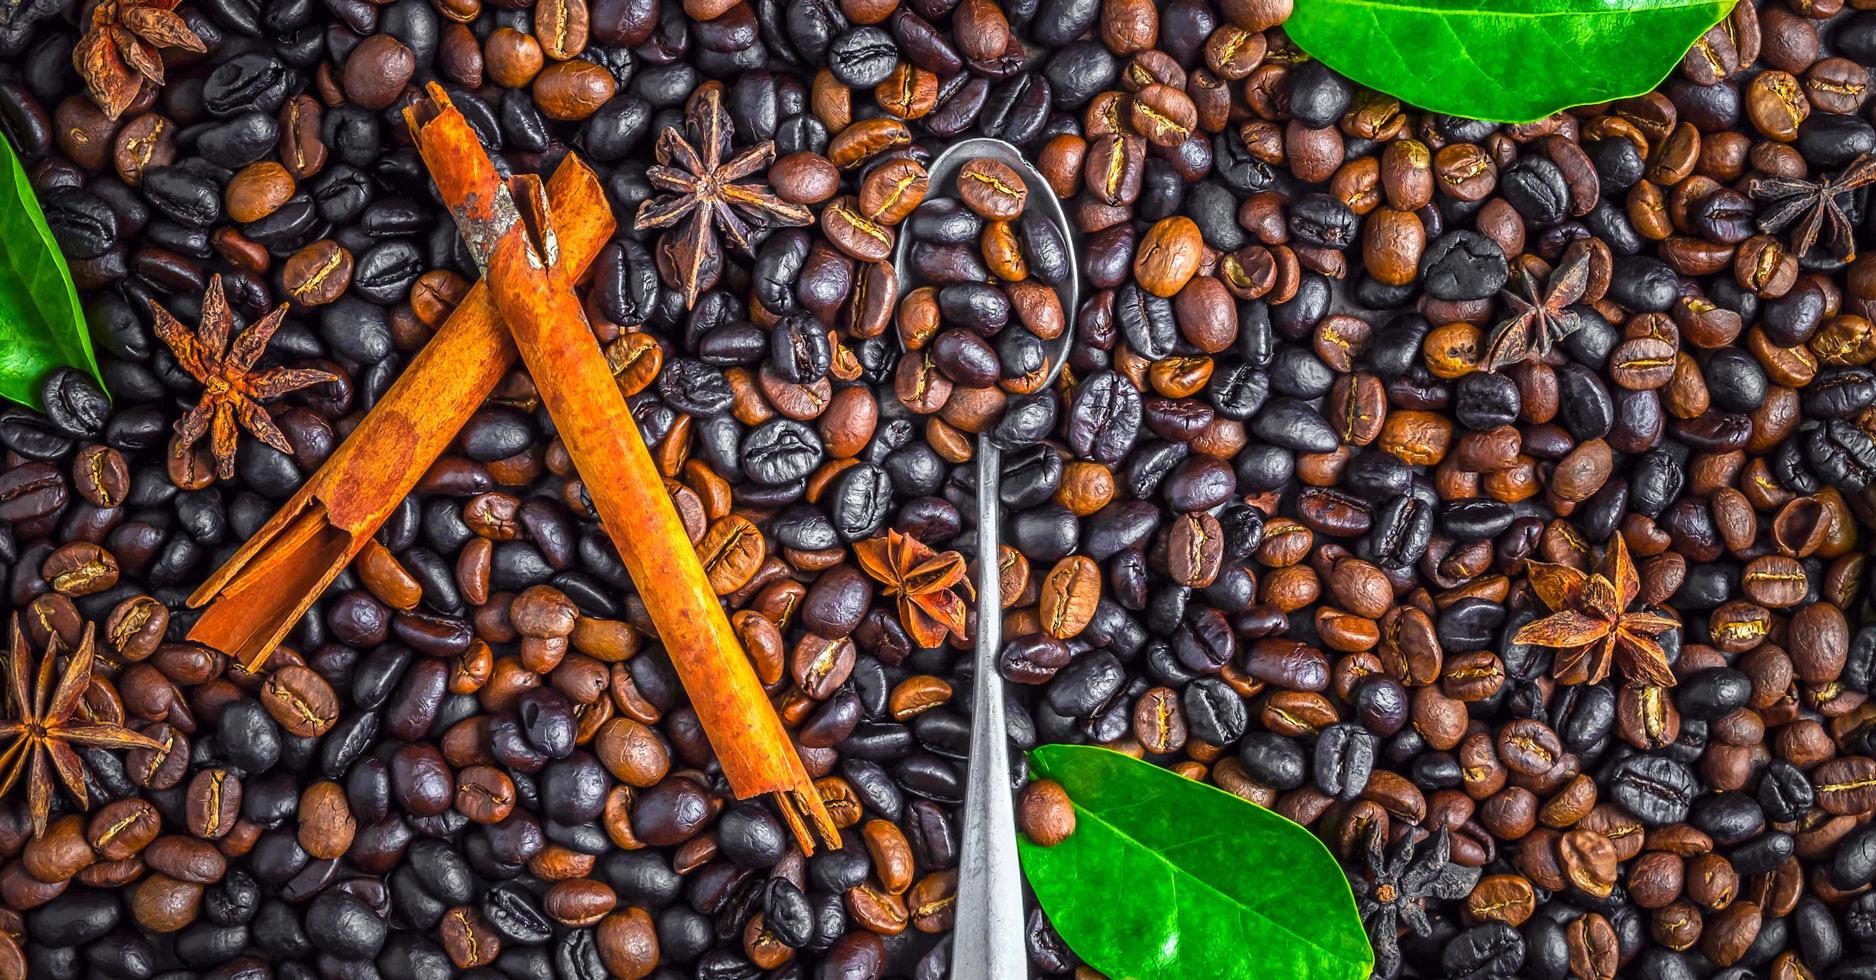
(707, 194)
(1398, 886)
(1539, 317)
(43, 724)
(1593, 626)
(1813, 207)
(232, 388)
(121, 50)
(923, 580)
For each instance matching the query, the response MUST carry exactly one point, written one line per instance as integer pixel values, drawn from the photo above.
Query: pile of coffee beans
(986, 322)
(1272, 526)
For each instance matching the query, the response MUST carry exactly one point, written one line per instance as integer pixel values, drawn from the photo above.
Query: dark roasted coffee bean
(1657, 789)
(1345, 757)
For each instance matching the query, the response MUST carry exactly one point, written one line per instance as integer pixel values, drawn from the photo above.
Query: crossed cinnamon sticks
(532, 243)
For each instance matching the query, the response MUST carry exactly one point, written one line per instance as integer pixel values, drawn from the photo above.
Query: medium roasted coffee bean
(1846, 785)
(1593, 946)
(1529, 747)
(1502, 898)
(377, 71)
(326, 823)
(1646, 716)
(1168, 256)
(1069, 595)
(301, 701)
(1655, 879)
(804, 178)
(60, 853)
(561, 26)
(992, 189)
(1729, 934)
(213, 801)
(891, 191)
(122, 829)
(484, 794)
(1588, 860)
(1044, 813)
(572, 90)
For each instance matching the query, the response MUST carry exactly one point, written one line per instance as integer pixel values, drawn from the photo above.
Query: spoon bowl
(988, 942)
(942, 173)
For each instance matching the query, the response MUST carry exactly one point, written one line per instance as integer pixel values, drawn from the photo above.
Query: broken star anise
(1593, 627)
(923, 581)
(232, 389)
(1539, 317)
(43, 723)
(706, 194)
(1813, 207)
(121, 50)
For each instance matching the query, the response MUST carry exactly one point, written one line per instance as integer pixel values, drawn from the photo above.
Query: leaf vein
(1503, 60)
(1177, 873)
(1445, 14)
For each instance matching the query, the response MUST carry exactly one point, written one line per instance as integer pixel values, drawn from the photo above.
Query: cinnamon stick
(507, 228)
(257, 596)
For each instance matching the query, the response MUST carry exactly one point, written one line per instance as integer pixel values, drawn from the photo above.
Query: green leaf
(42, 327)
(1503, 60)
(1166, 878)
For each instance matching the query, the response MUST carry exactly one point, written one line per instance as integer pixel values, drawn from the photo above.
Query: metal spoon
(988, 941)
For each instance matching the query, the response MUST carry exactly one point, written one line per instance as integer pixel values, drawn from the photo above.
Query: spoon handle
(988, 943)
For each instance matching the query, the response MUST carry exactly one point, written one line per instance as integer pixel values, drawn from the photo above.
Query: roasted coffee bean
(1045, 814)
(213, 801)
(1655, 788)
(301, 701)
(992, 189)
(1846, 785)
(1345, 757)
